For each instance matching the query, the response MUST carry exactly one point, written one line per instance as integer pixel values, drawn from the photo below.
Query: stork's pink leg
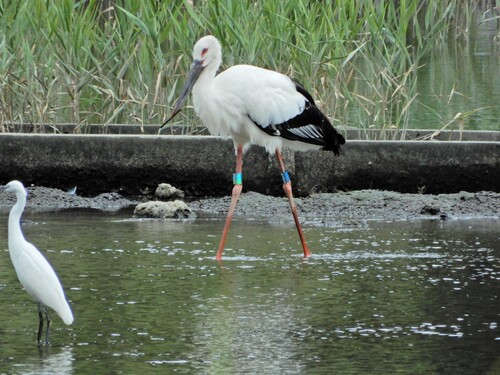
(238, 185)
(287, 187)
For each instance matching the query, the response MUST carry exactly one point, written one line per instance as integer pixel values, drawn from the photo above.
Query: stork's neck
(207, 76)
(16, 211)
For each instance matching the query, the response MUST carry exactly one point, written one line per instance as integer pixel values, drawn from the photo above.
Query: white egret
(255, 106)
(33, 270)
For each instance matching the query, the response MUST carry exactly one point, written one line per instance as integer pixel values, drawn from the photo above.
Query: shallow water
(461, 78)
(379, 298)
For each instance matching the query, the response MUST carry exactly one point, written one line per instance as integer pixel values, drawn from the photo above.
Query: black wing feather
(310, 126)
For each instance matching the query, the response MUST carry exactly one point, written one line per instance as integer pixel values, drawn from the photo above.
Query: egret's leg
(287, 187)
(40, 324)
(238, 186)
(47, 332)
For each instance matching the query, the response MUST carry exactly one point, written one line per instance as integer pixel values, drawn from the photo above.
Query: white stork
(255, 106)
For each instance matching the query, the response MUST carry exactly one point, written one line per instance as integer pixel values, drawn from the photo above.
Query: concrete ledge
(403, 166)
(203, 165)
(351, 134)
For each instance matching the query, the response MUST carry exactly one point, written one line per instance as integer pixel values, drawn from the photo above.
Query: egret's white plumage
(256, 106)
(33, 270)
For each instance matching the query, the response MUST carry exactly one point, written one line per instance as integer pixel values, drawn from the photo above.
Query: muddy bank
(55, 199)
(320, 209)
(351, 207)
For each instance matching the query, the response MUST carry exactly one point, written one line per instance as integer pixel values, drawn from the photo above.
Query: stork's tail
(333, 140)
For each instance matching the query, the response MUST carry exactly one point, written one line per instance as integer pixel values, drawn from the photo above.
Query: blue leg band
(238, 178)
(286, 177)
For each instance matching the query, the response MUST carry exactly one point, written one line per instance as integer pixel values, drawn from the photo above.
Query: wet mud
(322, 208)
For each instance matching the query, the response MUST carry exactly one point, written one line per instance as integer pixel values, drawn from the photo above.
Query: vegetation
(124, 61)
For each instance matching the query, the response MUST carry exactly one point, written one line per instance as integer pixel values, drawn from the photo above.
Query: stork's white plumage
(256, 106)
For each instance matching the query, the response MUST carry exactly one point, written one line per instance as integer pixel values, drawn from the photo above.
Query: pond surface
(378, 298)
(462, 77)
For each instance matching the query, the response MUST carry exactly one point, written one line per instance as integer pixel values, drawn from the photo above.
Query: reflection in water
(376, 298)
(49, 362)
(458, 77)
(251, 327)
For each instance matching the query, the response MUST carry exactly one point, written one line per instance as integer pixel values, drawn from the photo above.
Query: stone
(157, 209)
(167, 191)
(430, 210)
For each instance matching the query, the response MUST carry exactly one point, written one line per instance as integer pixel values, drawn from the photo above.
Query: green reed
(98, 62)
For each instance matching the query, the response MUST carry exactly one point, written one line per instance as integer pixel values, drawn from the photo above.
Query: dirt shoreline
(360, 205)
(323, 208)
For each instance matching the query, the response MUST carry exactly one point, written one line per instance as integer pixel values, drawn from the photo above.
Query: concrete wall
(351, 134)
(203, 165)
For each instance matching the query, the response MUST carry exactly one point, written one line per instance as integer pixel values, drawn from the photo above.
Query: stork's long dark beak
(193, 75)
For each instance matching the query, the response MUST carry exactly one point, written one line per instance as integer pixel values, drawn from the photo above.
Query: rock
(175, 209)
(167, 191)
(110, 196)
(430, 210)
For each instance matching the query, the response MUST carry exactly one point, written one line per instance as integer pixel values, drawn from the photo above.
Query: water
(462, 76)
(457, 83)
(378, 298)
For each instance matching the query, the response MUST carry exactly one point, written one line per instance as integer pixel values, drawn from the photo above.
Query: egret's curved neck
(16, 211)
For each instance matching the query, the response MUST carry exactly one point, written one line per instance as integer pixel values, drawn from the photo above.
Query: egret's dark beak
(196, 69)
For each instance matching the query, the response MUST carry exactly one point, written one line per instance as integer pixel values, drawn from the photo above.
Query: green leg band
(238, 178)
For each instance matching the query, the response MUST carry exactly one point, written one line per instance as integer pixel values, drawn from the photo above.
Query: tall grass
(104, 62)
